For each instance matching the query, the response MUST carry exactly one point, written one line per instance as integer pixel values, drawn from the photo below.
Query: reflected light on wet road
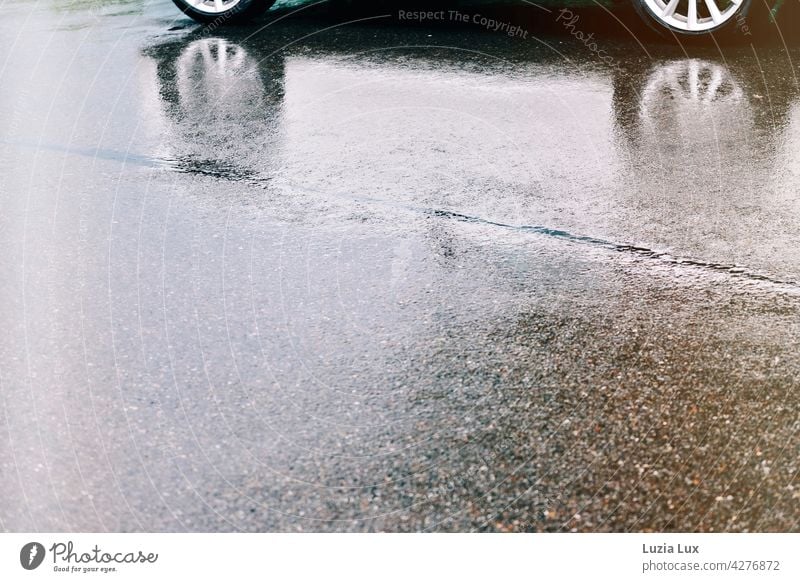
(383, 278)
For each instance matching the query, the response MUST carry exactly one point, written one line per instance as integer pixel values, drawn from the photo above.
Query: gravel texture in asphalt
(330, 276)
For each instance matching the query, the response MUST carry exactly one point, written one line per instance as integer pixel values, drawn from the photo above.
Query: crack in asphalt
(665, 257)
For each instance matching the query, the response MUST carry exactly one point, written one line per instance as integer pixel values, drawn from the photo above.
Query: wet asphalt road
(362, 277)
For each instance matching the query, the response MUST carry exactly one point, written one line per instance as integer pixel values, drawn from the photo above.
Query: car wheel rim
(213, 6)
(693, 15)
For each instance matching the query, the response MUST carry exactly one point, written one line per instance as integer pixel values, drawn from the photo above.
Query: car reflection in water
(702, 164)
(222, 106)
(648, 154)
(385, 126)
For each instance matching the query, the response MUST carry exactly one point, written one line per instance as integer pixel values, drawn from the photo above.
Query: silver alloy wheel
(693, 16)
(213, 6)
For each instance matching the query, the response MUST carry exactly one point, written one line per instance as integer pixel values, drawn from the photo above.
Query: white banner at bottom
(373, 557)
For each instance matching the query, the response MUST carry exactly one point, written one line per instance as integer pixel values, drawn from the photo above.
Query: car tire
(676, 16)
(223, 11)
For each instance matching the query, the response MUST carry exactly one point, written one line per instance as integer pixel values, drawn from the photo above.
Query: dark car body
(686, 18)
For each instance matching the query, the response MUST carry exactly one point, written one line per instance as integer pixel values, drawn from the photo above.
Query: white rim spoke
(213, 6)
(691, 15)
(716, 15)
(670, 9)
